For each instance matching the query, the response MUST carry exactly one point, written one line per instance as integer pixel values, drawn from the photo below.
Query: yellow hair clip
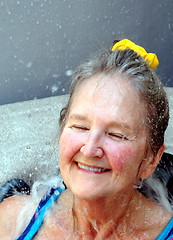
(150, 58)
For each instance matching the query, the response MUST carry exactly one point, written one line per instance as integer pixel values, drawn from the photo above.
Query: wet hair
(136, 70)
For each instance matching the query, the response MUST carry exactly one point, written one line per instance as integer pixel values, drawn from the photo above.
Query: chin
(87, 193)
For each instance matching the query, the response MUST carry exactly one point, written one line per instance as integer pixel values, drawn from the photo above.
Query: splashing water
(156, 190)
(39, 189)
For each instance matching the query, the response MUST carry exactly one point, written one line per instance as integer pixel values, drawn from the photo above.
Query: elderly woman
(111, 137)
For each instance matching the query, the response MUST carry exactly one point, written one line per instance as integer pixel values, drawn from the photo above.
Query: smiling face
(103, 143)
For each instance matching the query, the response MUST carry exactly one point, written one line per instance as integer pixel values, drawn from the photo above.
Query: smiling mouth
(92, 169)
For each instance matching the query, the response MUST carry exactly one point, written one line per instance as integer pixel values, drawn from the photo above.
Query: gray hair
(143, 78)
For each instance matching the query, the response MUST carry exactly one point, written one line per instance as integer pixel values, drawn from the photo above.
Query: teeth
(91, 169)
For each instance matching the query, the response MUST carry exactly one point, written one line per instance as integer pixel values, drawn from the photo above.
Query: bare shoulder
(15, 213)
(158, 218)
(159, 223)
(161, 219)
(150, 218)
(59, 221)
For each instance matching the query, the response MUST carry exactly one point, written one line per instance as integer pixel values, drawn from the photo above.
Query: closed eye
(117, 136)
(79, 128)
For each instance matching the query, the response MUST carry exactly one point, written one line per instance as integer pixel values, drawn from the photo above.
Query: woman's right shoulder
(15, 214)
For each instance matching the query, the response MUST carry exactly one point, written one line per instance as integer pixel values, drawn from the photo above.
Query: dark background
(42, 41)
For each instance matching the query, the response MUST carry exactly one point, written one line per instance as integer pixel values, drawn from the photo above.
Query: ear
(151, 163)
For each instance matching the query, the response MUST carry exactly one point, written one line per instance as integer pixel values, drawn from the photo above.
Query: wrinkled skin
(103, 154)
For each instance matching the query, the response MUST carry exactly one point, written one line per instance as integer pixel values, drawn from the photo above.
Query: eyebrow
(111, 124)
(77, 117)
(117, 124)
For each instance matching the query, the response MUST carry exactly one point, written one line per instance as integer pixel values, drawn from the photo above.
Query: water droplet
(29, 64)
(69, 72)
(55, 75)
(54, 88)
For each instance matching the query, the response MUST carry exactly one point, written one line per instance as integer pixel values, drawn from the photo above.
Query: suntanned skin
(103, 154)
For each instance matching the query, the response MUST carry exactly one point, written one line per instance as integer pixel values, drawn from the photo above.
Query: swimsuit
(47, 201)
(167, 233)
(37, 219)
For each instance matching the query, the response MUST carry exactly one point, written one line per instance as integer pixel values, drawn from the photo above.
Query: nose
(92, 146)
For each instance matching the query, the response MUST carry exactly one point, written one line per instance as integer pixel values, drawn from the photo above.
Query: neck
(105, 215)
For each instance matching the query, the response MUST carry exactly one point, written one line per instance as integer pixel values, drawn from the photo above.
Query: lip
(91, 169)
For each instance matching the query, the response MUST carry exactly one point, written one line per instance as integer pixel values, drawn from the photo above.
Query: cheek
(69, 145)
(121, 156)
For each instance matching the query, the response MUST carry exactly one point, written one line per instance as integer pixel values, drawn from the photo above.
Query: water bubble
(68, 73)
(26, 79)
(21, 62)
(28, 147)
(29, 64)
(55, 75)
(54, 88)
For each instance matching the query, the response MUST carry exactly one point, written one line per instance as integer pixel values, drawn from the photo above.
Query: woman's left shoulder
(162, 218)
(159, 219)
(152, 218)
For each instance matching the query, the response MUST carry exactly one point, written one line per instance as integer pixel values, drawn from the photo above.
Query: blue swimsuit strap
(167, 233)
(37, 219)
(46, 202)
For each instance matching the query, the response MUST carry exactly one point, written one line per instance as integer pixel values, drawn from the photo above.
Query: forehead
(109, 95)
(101, 88)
